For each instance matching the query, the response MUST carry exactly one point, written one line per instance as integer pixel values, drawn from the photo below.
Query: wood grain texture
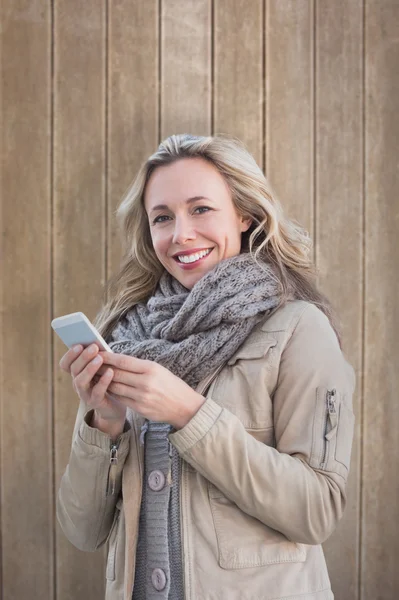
(26, 441)
(125, 77)
(186, 67)
(79, 233)
(339, 235)
(238, 72)
(289, 105)
(133, 102)
(380, 531)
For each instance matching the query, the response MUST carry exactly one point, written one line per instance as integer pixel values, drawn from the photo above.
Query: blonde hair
(271, 237)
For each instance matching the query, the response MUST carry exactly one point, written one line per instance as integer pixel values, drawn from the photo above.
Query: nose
(183, 231)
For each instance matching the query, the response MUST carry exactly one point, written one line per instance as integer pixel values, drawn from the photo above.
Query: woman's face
(191, 214)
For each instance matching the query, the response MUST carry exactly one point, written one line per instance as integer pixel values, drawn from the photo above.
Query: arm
(90, 486)
(289, 488)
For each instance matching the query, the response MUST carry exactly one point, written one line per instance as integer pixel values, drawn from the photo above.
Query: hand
(151, 390)
(80, 364)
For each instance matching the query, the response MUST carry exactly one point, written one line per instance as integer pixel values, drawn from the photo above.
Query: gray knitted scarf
(192, 332)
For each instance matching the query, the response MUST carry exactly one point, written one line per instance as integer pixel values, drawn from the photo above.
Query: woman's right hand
(82, 364)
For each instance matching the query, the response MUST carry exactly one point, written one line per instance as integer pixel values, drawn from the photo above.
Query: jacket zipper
(330, 417)
(113, 461)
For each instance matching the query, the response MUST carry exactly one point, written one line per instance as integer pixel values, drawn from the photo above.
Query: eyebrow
(188, 201)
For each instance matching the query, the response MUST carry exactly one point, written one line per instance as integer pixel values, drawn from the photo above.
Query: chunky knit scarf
(192, 332)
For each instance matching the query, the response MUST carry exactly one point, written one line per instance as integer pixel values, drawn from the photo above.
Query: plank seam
(314, 136)
(106, 142)
(266, 70)
(106, 149)
(263, 115)
(363, 310)
(53, 491)
(159, 108)
(2, 311)
(213, 42)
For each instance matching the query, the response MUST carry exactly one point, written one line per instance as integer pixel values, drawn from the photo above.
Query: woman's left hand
(151, 389)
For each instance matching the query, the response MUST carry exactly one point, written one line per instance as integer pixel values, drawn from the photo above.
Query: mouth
(189, 261)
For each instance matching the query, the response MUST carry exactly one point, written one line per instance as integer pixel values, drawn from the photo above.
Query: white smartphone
(76, 329)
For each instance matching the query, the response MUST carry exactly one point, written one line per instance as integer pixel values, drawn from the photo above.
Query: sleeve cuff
(95, 437)
(184, 439)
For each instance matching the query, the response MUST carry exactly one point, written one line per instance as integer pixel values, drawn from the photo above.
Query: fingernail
(77, 348)
(96, 360)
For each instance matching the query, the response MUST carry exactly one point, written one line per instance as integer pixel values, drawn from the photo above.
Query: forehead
(185, 178)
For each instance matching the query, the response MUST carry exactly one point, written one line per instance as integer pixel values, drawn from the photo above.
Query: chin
(189, 281)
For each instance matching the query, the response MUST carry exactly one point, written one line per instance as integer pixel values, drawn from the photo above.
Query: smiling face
(191, 214)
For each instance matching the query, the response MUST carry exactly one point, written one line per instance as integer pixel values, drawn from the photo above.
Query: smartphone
(76, 329)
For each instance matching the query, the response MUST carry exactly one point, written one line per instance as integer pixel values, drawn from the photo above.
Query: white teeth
(189, 258)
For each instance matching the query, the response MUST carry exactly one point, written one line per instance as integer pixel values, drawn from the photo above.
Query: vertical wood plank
(79, 233)
(185, 67)
(26, 439)
(133, 102)
(289, 105)
(339, 240)
(380, 535)
(238, 72)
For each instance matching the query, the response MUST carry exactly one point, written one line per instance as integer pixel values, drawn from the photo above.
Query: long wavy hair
(272, 237)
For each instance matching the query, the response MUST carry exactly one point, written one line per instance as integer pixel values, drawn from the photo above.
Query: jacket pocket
(112, 543)
(243, 541)
(333, 429)
(253, 351)
(243, 384)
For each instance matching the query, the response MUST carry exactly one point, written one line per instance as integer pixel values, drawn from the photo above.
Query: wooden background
(89, 88)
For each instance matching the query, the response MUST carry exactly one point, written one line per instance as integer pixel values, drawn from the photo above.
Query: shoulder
(295, 312)
(307, 342)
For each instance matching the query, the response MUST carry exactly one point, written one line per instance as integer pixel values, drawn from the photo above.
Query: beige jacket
(266, 461)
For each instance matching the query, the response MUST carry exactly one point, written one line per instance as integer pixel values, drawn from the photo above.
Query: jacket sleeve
(298, 487)
(90, 486)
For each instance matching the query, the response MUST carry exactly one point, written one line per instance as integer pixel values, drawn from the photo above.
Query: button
(158, 579)
(156, 480)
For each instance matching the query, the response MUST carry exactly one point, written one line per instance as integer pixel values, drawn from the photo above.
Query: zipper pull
(114, 454)
(332, 412)
(331, 398)
(113, 461)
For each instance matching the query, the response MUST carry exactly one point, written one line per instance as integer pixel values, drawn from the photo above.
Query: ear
(245, 224)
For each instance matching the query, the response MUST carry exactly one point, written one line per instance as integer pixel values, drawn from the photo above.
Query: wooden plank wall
(88, 90)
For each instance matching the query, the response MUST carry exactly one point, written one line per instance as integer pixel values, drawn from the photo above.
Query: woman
(212, 447)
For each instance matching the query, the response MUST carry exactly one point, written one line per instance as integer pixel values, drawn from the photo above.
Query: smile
(193, 259)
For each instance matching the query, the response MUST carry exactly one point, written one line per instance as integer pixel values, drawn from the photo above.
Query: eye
(160, 218)
(202, 208)
(157, 219)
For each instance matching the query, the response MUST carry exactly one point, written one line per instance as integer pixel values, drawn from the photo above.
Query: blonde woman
(212, 447)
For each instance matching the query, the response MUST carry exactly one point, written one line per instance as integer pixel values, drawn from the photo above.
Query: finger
(69, 357)
(120, 389)
(101, 371)
(126, 363)
(101, 387)
(83, 359)
(84, 378)
(130, 402)
(121, 376)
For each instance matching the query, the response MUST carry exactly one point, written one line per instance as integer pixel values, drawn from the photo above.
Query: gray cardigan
(159, 565)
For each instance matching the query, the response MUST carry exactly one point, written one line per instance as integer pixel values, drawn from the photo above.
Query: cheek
(158, 243)
(161, 247)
